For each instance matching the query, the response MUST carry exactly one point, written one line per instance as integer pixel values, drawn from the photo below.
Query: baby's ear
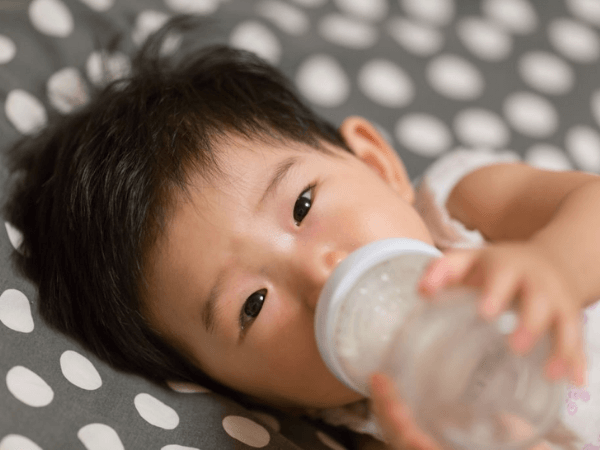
(370, 146)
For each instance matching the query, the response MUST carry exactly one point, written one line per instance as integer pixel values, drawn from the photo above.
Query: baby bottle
(454, 370)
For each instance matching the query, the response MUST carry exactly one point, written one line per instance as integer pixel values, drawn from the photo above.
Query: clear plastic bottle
(456, 372)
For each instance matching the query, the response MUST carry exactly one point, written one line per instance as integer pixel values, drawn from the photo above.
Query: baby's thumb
(395, 418)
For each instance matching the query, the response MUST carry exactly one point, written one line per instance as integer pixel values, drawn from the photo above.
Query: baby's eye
(252, 307)
(303, 204)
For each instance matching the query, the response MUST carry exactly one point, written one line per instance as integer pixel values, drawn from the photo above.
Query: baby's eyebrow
(209, 306)
(281, 170)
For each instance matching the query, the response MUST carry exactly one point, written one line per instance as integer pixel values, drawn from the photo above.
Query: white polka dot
(171, 43)
(28, 387)
(588, 10)
(329, 441)
(455, 77)
(415, 37)
(14, 235)
(200, 7)
(437, 12)
(8, 49)
(323, 81)
(156, 412)
(80, 371)
(178, 447)
(595, 106)
(385, 83)
(530, 114)
(18, 442)
(15, 311)
(371, 10)
(25, 112)
(583, 144)
(99, 5)
(146, 23)
(287, 17)
(255, 37)
(97, 436)
(517, 16)
(102, 67)
(51, 17)
(187, 388)
(574, 40)
(424, 134)
(347, 31)
(484, 39)
(481, 128)
(268, 420)
(311, 3)
(546, 72)
(548, 157)
(67, 90)
(246, 431)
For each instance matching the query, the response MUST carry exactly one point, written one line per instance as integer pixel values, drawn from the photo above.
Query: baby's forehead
(236, 155)
(244, 165)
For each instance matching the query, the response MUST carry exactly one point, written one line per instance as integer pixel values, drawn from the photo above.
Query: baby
(183, 224)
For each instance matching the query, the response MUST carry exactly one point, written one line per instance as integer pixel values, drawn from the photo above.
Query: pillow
(54, 393)
(433, 75)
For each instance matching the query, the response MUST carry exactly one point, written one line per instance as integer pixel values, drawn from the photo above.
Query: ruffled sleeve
(434, 187)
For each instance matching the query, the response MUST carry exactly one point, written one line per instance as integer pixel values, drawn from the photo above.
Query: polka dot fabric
(433, 75)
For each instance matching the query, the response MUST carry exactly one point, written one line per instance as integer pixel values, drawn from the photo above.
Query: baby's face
(235, 282)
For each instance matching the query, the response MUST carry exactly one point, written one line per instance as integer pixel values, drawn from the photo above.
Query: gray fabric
(574, 139)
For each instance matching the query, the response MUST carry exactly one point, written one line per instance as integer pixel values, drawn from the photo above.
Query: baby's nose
(317, 270)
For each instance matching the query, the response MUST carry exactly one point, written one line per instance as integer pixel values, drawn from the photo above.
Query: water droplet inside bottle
(385, 276)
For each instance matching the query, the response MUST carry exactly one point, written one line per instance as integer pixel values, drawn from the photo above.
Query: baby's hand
(395, 418)
(546, 299)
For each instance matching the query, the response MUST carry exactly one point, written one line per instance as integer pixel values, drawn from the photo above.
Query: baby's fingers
(535, 319)
(395, 419)
(499, 290)
(449, 269)
(538, 314)
(567, 359)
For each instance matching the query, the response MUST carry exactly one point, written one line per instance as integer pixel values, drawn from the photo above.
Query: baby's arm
(544, 254)
(545, 251)
(556, 210)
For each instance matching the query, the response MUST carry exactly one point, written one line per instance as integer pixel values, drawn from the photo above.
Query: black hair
(91, 192)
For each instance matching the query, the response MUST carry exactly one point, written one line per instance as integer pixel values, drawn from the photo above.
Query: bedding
(434, 75)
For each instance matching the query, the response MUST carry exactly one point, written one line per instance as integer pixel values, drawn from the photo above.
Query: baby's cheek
(275, 323)
(291, 330)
